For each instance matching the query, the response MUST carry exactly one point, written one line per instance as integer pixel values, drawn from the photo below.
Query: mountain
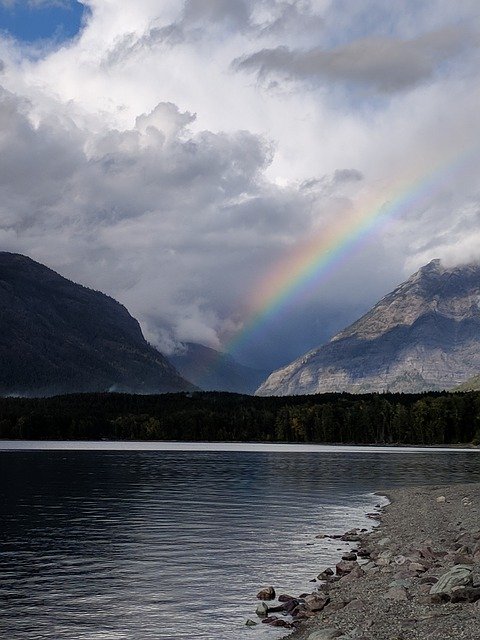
(472, 384)
(424, 335)
(60, 337)
(212, 370)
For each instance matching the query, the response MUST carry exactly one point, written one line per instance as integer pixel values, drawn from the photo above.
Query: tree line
(417, 419)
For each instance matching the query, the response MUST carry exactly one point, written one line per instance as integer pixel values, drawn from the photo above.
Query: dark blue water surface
(156, 544)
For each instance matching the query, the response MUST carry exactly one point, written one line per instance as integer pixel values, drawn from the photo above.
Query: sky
(176, 155)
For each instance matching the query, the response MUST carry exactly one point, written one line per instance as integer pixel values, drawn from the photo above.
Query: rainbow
(301, 271)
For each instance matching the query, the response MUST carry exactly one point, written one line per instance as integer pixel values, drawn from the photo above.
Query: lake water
(147, 543)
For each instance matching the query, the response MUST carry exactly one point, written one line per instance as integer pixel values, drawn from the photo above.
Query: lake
(140, 541)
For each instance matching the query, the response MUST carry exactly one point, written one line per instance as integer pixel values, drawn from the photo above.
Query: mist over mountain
(424, 335)
(212, 370)
(60, 337)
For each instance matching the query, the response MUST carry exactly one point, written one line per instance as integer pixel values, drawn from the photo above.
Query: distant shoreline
(280, 447)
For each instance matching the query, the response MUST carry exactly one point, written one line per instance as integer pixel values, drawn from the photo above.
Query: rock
(397, 593)
(356, 572)
(400, 560)
(466, 594)
(345, 566)
(416, 566)
(351, 536)
(269, 619)
(355, 605)
(428, 553)
(476, 576)
(266, 594)
(277, 609)
(401, 582)
(336, 606)
(349, 556)
(250, 623)
(278, 622)
(329, 633)
(441, 499)
(382, 562)
(383, 542)
(285, 598)
(316, 602)
(290, 605)
(325, 575)
(459, 575)
(261, 610)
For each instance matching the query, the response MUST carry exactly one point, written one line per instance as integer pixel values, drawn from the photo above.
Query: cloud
(157, 173)
(174, 224)
(385, 64)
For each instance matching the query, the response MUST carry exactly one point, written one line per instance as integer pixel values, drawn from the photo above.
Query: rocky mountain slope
(424, 335)
(212, 370)
(472, 384)
(60, 337)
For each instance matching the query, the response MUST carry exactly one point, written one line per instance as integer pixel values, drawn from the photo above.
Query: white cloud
(135, 160)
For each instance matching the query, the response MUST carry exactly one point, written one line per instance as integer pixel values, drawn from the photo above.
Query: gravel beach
(416, 576)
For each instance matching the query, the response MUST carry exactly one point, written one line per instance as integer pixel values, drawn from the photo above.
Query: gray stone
(459, 575)
(262, 610)
(406, 583)
(250, 623)
(397, 593)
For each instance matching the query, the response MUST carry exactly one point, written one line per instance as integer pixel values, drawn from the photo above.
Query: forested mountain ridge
(212, 370)
(58, 337)
(424, 335)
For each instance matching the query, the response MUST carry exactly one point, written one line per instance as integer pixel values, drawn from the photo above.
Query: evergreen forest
(439, 418)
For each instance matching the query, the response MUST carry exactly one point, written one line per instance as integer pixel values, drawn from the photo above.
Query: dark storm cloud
(386, 64)
(176, 225)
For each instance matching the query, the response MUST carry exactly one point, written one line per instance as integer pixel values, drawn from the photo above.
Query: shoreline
(416, 576)
(219, 445)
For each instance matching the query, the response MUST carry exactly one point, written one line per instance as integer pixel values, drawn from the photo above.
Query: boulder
(345, 566)
(262, 610)
(266, 594)
(459, 575)
(316, 601)
(284, 597)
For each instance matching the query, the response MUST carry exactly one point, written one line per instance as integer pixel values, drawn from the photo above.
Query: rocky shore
(415, 577)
